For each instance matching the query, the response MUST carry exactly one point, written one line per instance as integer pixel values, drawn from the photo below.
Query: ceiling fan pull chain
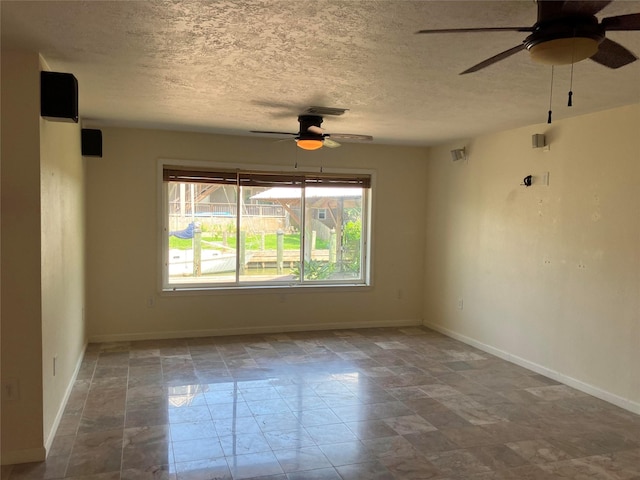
(550, 96)
(570, 102)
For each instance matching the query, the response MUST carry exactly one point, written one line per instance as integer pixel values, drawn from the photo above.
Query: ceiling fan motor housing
(307, 121)
(307, 139)
(566, 40)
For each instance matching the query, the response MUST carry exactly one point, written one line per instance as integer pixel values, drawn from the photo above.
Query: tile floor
(385, 403)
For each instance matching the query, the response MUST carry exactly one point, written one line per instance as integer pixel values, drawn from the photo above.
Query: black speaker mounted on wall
(59, 96)
(91, 142)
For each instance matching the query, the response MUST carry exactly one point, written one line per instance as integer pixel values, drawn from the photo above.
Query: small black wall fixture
(526, 181)
(91, 142)
(59, 97)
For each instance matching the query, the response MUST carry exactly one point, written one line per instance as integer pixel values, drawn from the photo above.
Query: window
(234, 228)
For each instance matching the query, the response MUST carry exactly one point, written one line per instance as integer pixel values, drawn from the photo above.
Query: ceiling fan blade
(481, 29)
(325, 111)
(613, 55)
(272, 133)
(330, 143)
(622, 22)
(589, 7)
(351, 136)
(494, 59)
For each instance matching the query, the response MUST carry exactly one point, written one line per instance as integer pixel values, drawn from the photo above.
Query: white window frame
(367, 230)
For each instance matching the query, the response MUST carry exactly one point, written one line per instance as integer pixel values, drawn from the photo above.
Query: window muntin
(241, 229)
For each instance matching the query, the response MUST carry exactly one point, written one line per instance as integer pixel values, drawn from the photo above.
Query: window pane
(264, 228)
(270, 232)
(333, 233)
(202, 233)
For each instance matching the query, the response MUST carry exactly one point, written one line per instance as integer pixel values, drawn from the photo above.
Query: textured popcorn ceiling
(234, 66)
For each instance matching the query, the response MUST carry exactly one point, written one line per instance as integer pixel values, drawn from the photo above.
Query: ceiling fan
(565, 32)
(311, 136)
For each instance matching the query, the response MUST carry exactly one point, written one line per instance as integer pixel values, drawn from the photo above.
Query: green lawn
(291, 242)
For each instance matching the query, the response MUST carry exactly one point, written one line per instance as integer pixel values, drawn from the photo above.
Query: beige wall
(123, 265)
(42, 261)
(549, 275)
(22, 435)
(62, 230)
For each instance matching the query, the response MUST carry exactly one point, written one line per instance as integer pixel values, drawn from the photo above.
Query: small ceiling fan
(565, 32)
(311, 136)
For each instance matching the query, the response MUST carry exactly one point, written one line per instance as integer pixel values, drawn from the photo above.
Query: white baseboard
(253, 330)
(54, 428)
(597, 392)
(24, 456)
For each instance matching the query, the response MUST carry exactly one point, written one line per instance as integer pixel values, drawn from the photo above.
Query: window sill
(264, 289)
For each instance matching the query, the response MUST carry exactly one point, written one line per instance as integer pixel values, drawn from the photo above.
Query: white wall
(549, 275)
(123, 265)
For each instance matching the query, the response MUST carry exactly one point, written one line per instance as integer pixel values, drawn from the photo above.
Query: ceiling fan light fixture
(309, 144)
(563, 51)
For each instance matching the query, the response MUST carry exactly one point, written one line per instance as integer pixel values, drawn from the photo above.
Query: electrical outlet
(460, 304)
(151, 301)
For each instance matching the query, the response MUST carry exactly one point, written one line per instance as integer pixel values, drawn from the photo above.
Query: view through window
(234, 228)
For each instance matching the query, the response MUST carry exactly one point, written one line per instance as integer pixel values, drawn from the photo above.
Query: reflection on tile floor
(384, 403)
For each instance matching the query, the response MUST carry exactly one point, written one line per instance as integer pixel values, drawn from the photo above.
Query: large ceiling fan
(565, 32)
(311, 136)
